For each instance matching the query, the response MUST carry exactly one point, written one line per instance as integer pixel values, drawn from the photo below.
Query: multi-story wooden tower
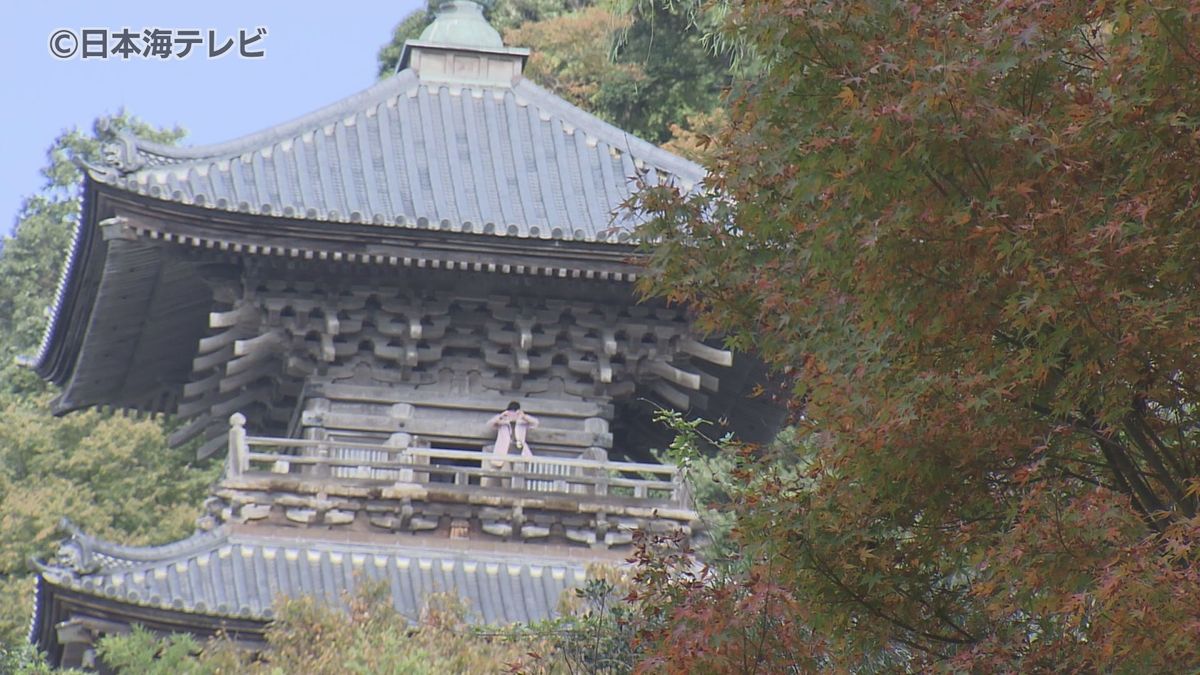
(341, 303)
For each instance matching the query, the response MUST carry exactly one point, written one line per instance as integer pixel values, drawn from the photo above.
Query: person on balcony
(511, 426)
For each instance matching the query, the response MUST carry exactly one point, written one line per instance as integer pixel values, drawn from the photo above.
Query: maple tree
(968, 231)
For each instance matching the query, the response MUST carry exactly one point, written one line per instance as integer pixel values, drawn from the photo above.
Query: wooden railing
(656, 484)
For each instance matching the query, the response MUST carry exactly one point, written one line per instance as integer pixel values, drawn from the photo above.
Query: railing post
(599, 475)
(323, 469)
(238, 456)
(518, 469)
(401, 441)
(312, 423)
(559, 484)
(421, 458)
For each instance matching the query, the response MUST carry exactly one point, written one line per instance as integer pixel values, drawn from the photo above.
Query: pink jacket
(509, 424)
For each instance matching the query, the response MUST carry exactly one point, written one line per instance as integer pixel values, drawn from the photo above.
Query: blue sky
(315, 53)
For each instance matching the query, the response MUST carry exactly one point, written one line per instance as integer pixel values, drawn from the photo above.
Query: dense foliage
(113, 476)
(309, 637)
(968, 231)
(313, 638)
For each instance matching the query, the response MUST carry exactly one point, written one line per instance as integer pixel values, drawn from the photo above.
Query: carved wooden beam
(199, 387)
(720, 357)
(222, 339)
(673, 374)
(244, 312)
(213, 360)
(671, 395)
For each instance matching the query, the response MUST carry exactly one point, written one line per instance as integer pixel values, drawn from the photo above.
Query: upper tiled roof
(238, 575)
(495, 159)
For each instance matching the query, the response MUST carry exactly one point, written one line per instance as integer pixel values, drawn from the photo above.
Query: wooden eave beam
(372, 244)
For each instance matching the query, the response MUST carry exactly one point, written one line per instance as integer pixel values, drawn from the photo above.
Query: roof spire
(461, 47)
(460, 23)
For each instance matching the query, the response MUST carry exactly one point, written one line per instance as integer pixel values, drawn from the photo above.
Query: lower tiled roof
(239, 575)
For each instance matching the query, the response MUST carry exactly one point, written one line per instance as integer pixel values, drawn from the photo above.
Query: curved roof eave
(49, 363)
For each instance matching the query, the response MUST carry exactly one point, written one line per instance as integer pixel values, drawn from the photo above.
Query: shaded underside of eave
(149, 309)
(55, 603)
(746, 405)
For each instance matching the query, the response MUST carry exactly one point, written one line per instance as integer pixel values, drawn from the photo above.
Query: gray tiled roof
(499, 160)
(236, 575)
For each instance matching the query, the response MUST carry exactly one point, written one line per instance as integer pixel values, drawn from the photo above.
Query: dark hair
(513, 405)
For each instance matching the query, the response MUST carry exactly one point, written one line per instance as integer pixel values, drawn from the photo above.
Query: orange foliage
(968, 231)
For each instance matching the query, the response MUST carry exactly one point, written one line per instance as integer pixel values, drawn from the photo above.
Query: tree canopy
(642, 66)
(967, 230)
(114, 476)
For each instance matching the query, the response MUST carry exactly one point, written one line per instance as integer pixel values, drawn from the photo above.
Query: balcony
(447, 492)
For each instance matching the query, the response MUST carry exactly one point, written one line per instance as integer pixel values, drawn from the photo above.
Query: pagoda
(339, 304)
